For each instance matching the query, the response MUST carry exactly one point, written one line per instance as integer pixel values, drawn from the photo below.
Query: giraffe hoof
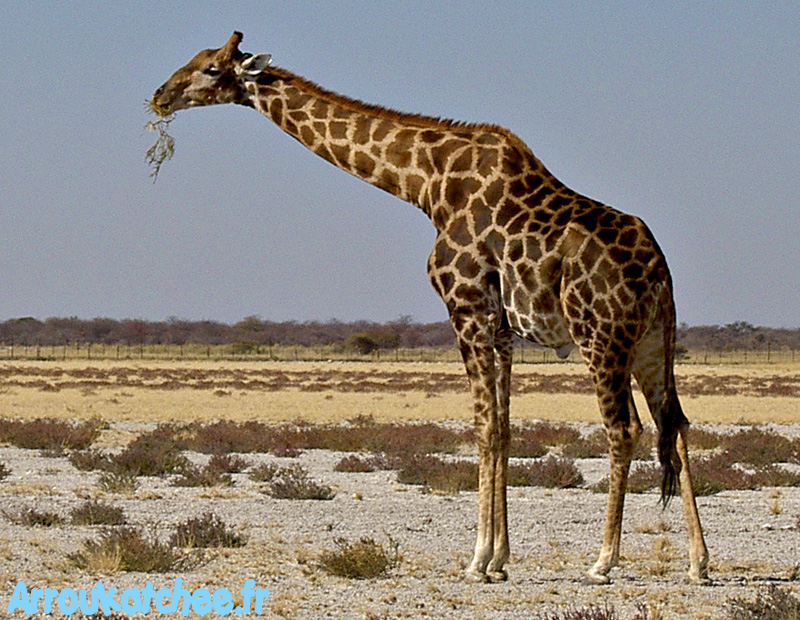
(475, 576)
(596, 579)
(496, 576)
(698, 580)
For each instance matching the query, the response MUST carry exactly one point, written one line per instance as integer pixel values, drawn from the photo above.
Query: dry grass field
(329, 392)
(369, 507)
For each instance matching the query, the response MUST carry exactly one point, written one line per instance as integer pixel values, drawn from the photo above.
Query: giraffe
(516, 252)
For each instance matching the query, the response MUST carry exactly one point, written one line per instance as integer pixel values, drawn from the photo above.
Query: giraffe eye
(212, 71)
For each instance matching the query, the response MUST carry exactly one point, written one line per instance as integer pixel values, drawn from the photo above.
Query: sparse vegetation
(124, 483)
(264, 472)
(770, 603)
(461, 475)
(360, 559)
(294, 483)
(93, 512)
(127, 549)
(54, 435)
(32, 517)
(207, 530)
(595, 612)
(356, 464)
(552, 472)
(208, 476)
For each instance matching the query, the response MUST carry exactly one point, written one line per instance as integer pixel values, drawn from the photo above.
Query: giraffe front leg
(500, 549)
(503, 352)
(491, 544)
(484, 542)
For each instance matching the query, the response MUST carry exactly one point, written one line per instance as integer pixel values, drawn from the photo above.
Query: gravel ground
(753, 538)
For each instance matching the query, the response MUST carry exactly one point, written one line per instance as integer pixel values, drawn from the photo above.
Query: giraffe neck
(405, 155)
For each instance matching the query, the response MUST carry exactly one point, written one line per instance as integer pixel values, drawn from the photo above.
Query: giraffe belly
(537, 318)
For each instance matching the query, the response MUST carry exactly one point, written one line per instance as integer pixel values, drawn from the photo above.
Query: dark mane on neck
(377, 111)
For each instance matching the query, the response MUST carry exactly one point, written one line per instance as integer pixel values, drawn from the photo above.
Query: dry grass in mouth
(164, 147)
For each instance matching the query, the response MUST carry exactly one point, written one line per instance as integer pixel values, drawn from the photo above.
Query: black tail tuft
(672, 421)
(669, 475)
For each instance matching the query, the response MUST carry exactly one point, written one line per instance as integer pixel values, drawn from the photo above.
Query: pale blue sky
(684, 113)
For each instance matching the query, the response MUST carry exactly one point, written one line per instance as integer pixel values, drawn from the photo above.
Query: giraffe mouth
(157, 108)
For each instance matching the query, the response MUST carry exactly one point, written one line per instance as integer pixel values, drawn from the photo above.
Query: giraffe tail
(671, 419)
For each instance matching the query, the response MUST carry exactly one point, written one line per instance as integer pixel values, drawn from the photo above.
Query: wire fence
(247, 352)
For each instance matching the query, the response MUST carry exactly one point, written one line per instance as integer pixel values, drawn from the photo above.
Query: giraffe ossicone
(516, 252)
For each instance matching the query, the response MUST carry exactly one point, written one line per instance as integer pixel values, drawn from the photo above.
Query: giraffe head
(211, 77)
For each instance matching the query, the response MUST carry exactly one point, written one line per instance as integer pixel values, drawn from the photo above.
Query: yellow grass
(110, 400)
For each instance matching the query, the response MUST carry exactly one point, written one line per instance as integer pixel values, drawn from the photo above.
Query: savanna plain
(347, 489)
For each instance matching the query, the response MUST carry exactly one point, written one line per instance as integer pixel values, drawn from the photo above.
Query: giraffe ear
(253, 65)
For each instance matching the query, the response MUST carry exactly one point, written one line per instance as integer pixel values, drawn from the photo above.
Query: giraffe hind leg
(698, 553)
(664, 405)
(623, 428)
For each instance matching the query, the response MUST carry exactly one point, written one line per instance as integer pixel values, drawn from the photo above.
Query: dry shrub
(355, 464)
(152, 454)
(208, 530)
(770, 603)
(462, 475)
(588, 612)
(55, 435)
(217, 472)
(264, 472)
(593, 445)
(4, 471)
(208, 476)
(118, 482)
(703, 439)
(776, 476)
(642, 478)
(289, 439)
(645, 445)
(97, 513)
(436, 474)
(224, 436)
(134, 550)
(361, 559)
(294, 483)
(31, 517)
(718, 473)
(645, 476)
(759, 447)
(553, 472)
(227, 463)
(88, 460)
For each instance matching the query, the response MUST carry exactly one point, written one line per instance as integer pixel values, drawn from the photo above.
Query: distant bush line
(176, 338)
